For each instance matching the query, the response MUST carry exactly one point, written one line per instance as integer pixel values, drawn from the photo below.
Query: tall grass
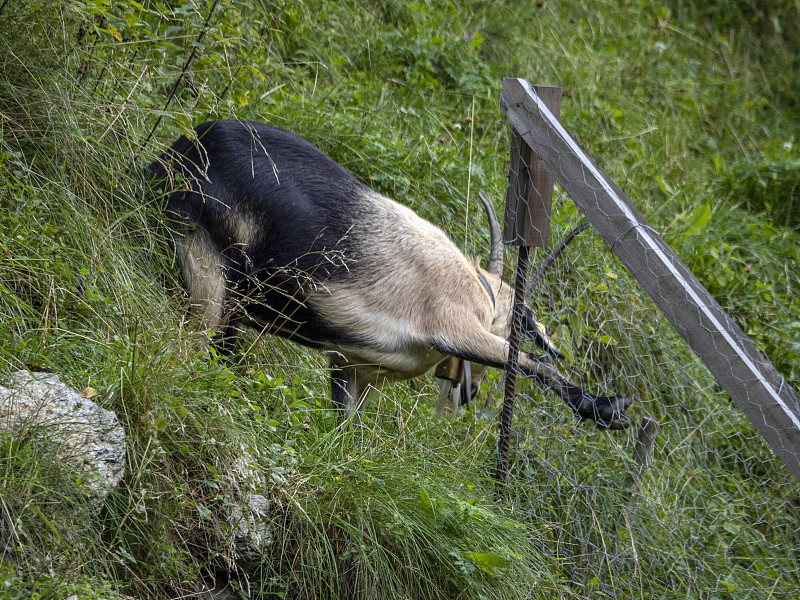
(402, 94)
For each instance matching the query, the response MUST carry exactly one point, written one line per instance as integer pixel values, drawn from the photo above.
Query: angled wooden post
(526, 224)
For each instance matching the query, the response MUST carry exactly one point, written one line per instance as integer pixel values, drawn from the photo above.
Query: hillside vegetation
(692, 108)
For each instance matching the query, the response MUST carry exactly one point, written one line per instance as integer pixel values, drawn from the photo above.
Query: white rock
(251, 527)
(249, 516)
(89, 439)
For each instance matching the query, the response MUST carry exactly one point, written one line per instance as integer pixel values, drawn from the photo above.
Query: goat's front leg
(606, 411)
(348, 394)
(481, 346)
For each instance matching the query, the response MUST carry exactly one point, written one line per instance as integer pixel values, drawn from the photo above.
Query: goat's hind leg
(204, 271)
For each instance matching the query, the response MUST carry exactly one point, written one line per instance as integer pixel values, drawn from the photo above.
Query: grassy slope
(402, 94)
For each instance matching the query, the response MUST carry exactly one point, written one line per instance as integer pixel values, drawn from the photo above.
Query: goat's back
(264, 195)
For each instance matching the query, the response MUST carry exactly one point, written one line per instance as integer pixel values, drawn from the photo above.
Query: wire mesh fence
(714, 514)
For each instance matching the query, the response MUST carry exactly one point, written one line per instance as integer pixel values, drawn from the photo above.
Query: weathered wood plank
(529, 198)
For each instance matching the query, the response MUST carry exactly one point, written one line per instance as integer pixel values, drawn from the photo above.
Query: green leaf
(608, 340)
(492, 564)
(426, 504)
(477, 41)
(664, 186)
(718, 164)
(733, 528)
(257, 73)
(696, 222)
(562, 341)
(115, 33)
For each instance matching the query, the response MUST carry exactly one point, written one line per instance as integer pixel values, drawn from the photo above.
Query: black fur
(248, 171)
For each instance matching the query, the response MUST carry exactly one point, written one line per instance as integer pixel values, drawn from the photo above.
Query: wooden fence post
(526, 223)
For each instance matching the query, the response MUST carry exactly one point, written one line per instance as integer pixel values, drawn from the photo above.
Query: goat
(272, 232)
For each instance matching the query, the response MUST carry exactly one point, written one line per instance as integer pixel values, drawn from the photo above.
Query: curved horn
(495, 266)
(548, 262)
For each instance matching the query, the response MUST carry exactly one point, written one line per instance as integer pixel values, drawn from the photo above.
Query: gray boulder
(88, 438)
(249, 516)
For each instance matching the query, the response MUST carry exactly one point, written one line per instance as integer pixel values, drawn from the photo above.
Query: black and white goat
(272, 232)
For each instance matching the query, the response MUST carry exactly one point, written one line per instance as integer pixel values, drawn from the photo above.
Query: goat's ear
(476, 262)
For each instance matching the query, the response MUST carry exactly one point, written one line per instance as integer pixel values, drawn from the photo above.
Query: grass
(683, 105)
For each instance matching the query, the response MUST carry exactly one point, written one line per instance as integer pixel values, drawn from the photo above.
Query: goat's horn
(496, 245)
(548, 262)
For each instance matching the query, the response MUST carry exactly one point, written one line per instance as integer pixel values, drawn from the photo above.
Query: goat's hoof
(607, 413)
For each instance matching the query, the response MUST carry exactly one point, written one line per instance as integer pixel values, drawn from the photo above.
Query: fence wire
(715, 512)
(714, 515)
